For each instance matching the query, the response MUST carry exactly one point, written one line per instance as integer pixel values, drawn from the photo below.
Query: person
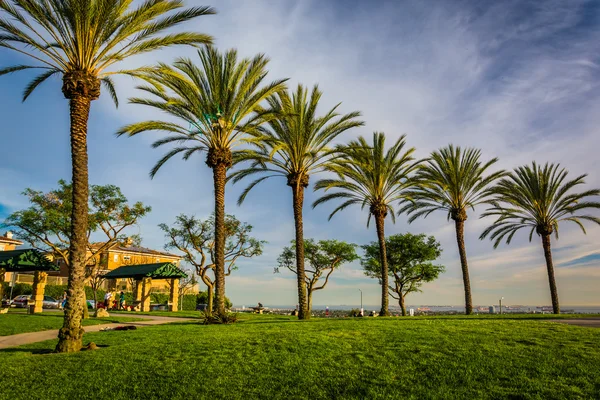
(260, 305)
(121, 300)
(64, 299)
(107, 300)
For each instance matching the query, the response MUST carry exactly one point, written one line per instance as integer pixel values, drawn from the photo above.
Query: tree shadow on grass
(22, 349)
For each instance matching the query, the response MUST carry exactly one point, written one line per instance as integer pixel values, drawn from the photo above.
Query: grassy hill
(280, 357)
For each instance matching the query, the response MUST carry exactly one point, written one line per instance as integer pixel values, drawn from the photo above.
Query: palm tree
(451, 180)
(295, 147)
(218, 104)
(79, 40)
(539, 198)
(369, 176)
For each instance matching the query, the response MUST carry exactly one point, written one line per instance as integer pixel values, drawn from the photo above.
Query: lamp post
(501, 298)
(361, 307)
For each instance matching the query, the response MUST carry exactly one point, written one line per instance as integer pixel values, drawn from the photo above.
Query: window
(126, 258)
(1, 247)
(116, 258)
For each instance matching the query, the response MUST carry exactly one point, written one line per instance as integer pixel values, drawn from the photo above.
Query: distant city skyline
(518, 79)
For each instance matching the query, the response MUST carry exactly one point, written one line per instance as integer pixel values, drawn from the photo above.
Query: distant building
(104, 260)
(8, 243)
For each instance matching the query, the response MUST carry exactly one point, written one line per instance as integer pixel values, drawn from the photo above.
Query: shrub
(19, 289)
(355, 312)
(216, 318)
(188, 302)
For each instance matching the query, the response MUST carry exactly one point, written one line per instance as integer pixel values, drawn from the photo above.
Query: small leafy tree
(323, 257)
(196, 240)
(409, 263)
(45, 225)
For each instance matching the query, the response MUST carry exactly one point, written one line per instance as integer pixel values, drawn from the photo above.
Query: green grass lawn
(278, 357)
(20, 322)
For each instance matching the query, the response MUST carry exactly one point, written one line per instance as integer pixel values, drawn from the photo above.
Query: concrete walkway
(588, 322)
(33, 337)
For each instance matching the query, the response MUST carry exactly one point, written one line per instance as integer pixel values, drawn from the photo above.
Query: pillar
(2, 274)
(39, 285)
(174, 295)
(137, 291)
(146, 286)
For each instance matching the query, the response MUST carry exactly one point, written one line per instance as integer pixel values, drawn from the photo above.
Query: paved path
(33, 337)
(587, 322)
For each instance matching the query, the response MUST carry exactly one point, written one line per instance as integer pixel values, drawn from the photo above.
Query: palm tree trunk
(219, 176)
(298, 199)
(402, 305)
(460, 239)
(379, 222)
(309, 302)
(210, 299)
(550, 267)
(70, 335)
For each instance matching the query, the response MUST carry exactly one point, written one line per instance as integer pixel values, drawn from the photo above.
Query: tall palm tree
(451, 180)
(218, 104)
(539, 198)
(369, 176)
(79, 40)
(295, 147)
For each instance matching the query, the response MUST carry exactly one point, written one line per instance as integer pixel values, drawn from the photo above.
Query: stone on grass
(101, 313)
(90, 346)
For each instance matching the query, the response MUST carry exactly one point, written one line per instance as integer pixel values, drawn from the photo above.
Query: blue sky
(518, 79)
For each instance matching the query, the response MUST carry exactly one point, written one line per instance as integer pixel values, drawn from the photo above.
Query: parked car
(21, 302)
(50, 302)
(91, 304)
(6, 302)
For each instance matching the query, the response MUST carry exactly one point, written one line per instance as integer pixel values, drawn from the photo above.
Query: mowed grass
(273, 357)
(20, 322)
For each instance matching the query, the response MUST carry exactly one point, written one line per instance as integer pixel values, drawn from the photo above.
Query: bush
(188, 302)
(355, 312)
(19, 289)
(218, 319)
(202, 298)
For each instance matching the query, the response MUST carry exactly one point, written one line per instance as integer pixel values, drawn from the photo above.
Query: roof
(135, 249)
(25, 260)
(157, 271)
(4, 239)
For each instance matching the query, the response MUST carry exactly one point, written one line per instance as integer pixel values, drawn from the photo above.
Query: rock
(90, 346)
(101, 313)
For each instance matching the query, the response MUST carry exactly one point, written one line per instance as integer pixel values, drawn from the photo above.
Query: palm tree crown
(80, 39)
(217, 103)
(537, 198)
(369, 176)
(297, 143)
(451, 180)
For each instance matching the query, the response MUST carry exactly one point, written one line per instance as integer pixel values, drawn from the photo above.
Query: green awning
(25, 260)
(164, 270)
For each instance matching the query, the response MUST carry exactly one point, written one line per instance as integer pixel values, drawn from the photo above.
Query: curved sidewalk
(33, 337)
(587, 322)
